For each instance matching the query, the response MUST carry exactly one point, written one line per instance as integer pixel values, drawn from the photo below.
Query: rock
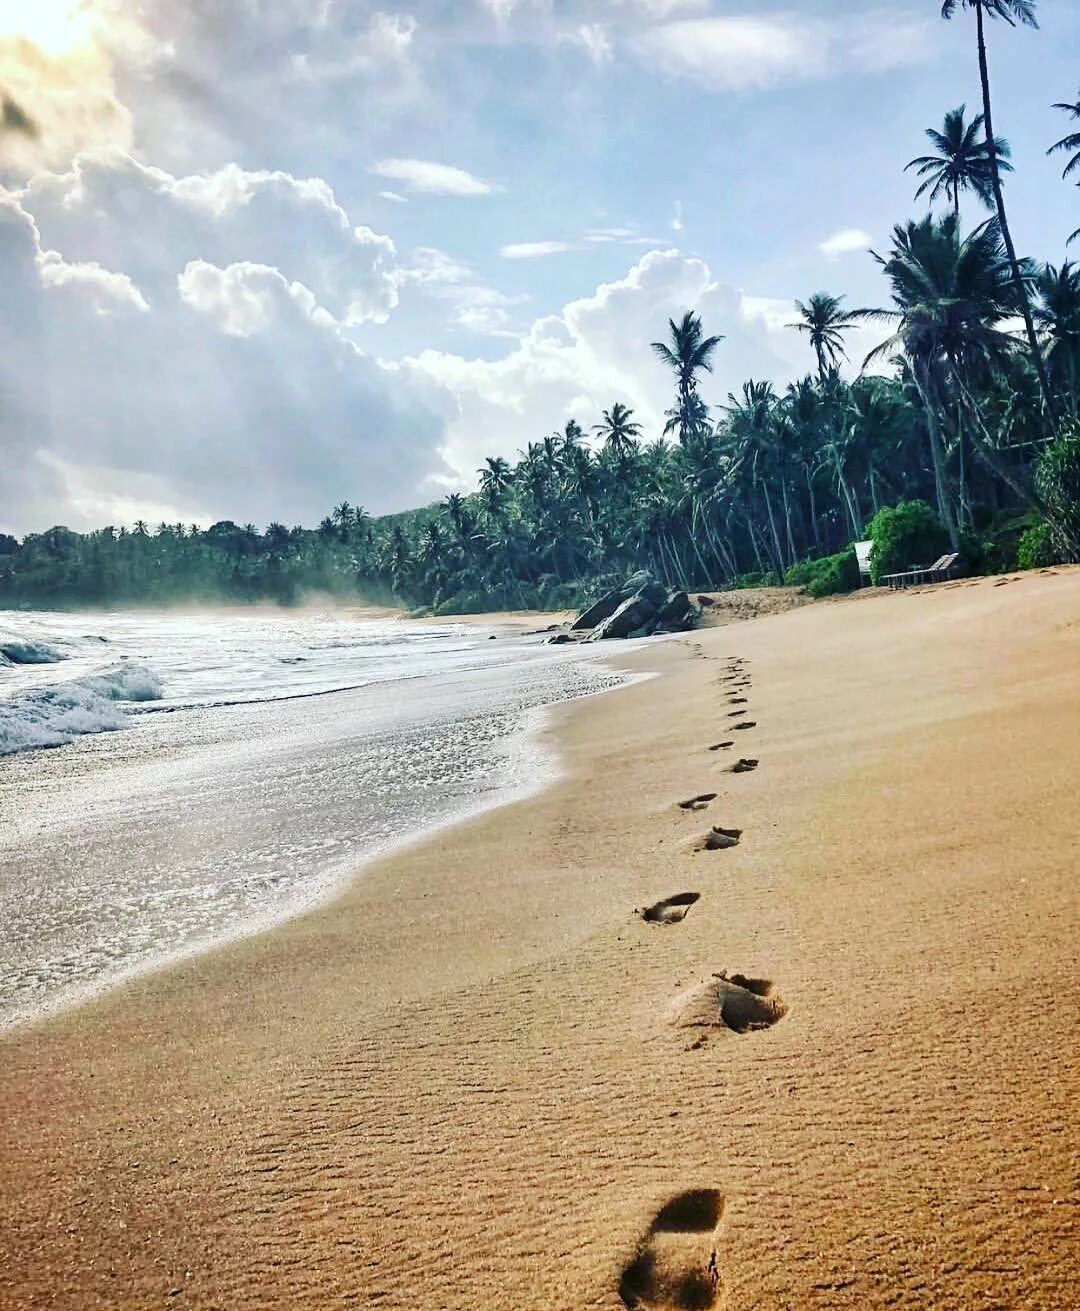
(640, 584)
(677, 614)
(640, 607)
(635, 613)
(706, 602)
(560, 639)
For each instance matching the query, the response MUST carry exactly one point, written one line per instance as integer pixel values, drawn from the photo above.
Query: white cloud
(677, 218)
(393, 197)
(210, 384)
(733, 53)
(110, 291)
(845, 242)
(436, 179)
(535, 249)
(474, 305)
(593, 38)
(738, 53)
(112, 210)
(596, 351)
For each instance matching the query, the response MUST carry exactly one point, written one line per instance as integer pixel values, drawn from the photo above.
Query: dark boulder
(640, 584)
(635, 617)
(677, 614)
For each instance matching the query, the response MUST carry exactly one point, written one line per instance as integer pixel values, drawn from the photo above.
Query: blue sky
(286, 251)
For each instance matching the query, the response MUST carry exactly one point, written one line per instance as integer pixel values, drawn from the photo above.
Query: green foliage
(1036, 549)
(904, 537)
(828, 576)
(1057, 477)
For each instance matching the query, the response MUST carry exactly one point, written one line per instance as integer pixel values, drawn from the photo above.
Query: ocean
(171, 780)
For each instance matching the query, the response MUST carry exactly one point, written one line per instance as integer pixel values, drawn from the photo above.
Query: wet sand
(481, 1080)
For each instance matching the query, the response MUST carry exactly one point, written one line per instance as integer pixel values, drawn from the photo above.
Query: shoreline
(337, 881)
(459, 1084)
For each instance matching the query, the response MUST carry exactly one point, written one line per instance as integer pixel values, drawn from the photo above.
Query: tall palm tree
(1011, 12)
(825, 319)
(962, 162)
(952, 294)
(1057, 313)
(687, 352)
(1070, 142)
(619, 432)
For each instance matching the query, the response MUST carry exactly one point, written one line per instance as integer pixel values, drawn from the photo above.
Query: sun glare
(54, 26)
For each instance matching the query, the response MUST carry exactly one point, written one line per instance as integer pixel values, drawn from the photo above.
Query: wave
(30, 653)
(54, 716)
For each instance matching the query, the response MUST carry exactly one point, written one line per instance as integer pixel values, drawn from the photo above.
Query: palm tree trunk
(813, 509)
(981, 440)
(999, 200)
(922, 385)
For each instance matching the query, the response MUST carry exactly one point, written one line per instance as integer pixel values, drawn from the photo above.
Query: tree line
(976, 423)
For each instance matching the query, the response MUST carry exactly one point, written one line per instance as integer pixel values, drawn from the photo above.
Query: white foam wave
(30, 653)
(53, 716)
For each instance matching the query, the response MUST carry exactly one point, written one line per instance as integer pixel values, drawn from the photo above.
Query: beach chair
(944, 567)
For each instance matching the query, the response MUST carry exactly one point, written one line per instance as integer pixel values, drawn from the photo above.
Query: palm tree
(495, 477)
(826, 320)
(1070, 142)
(962, 162)
(687, 352)
(619, 432)
(1012, 12)
(1057, 313)
(952, 294)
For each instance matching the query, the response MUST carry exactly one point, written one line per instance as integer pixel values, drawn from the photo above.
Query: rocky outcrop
(639, 607)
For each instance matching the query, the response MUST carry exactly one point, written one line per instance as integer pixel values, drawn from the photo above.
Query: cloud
(394, 197)
(677, 218)
(475, 306)
(213, 384)
(534, 249)
(56, 103)
(111, 209)
(740, 53)
(845, 242)
(436, 179)
(733, 53)
(593, 38)
(595, 351)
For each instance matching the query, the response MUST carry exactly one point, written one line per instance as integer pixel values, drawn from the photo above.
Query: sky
(260, 256)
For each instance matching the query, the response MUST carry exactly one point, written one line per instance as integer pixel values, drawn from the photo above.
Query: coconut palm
(1070, 142)
(1057, 313)
(962, 162)
(952, 295)
(1011, 12)
(825, 319)
(619, 432)
(687, 352)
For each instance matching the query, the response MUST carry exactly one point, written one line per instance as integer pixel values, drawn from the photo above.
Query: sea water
(172, 780)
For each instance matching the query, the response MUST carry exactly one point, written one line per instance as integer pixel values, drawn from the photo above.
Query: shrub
(904, 537)
(829, 576)
(1036, 548)
(1057, 478)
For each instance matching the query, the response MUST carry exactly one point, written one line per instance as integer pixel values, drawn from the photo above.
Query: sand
(843, 1076)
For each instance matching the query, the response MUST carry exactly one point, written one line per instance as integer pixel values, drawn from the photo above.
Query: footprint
(749, 723)
(720, 839)
(734, 714)
(672, 910)
(698, 803)
(737, 700)
(675, 1265)
(735, 1002)
(742, 766)
(721, 746)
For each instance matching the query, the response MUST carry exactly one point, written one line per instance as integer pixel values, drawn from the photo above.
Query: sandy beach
(481, 1079)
